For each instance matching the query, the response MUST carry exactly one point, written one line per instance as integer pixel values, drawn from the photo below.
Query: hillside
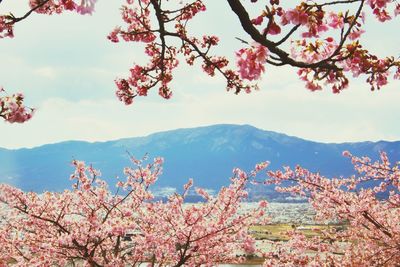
(206, 154)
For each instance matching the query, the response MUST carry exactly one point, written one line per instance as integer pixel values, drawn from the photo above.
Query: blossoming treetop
(92, 225)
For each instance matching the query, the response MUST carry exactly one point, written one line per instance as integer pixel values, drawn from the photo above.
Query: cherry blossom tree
(92, 226)
(372, 215)
(321, 39)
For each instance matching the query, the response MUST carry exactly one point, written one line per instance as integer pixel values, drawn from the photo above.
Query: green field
(277, 232)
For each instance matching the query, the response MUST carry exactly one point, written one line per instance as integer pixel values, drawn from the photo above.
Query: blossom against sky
(66, 67)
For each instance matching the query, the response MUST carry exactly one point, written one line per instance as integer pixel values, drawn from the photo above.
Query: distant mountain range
(207, 154)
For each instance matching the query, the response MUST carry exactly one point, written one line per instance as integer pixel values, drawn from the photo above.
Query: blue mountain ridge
(207, 154)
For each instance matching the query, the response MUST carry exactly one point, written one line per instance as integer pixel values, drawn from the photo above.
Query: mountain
(207, 154)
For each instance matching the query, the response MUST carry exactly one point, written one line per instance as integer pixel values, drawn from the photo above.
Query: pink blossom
(355, 34)
(6, 29)
(188, 185)
(258, 20)
(124, 92)
(12, 108)
(295, 16)
(397, 10)
(336, 21)
(274, 29)
(113, 36)
(86, 7)
(69, 4)
(378, 3)
(382, 15)
(251, 61)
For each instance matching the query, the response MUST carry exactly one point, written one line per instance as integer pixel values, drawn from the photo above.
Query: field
(277, 232)
(266, 235)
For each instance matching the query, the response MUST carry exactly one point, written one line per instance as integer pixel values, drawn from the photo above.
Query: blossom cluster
(12, 108)
(6, 29)
(48, 7)
(251, 61)
(58, 6)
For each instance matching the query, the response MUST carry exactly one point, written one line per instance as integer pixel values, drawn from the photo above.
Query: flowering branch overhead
(320, 39)
(163, 54)
(321, 58)
(48, 7)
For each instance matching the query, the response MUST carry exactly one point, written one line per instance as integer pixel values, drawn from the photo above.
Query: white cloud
(46, 72)
(163, 191)
(66, 67)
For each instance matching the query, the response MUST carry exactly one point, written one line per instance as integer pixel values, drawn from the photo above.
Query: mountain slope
(206, 154)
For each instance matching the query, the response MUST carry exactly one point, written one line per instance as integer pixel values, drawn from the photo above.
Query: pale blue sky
(66, 67)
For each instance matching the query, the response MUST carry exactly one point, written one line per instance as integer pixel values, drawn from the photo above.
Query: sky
(66, 68)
